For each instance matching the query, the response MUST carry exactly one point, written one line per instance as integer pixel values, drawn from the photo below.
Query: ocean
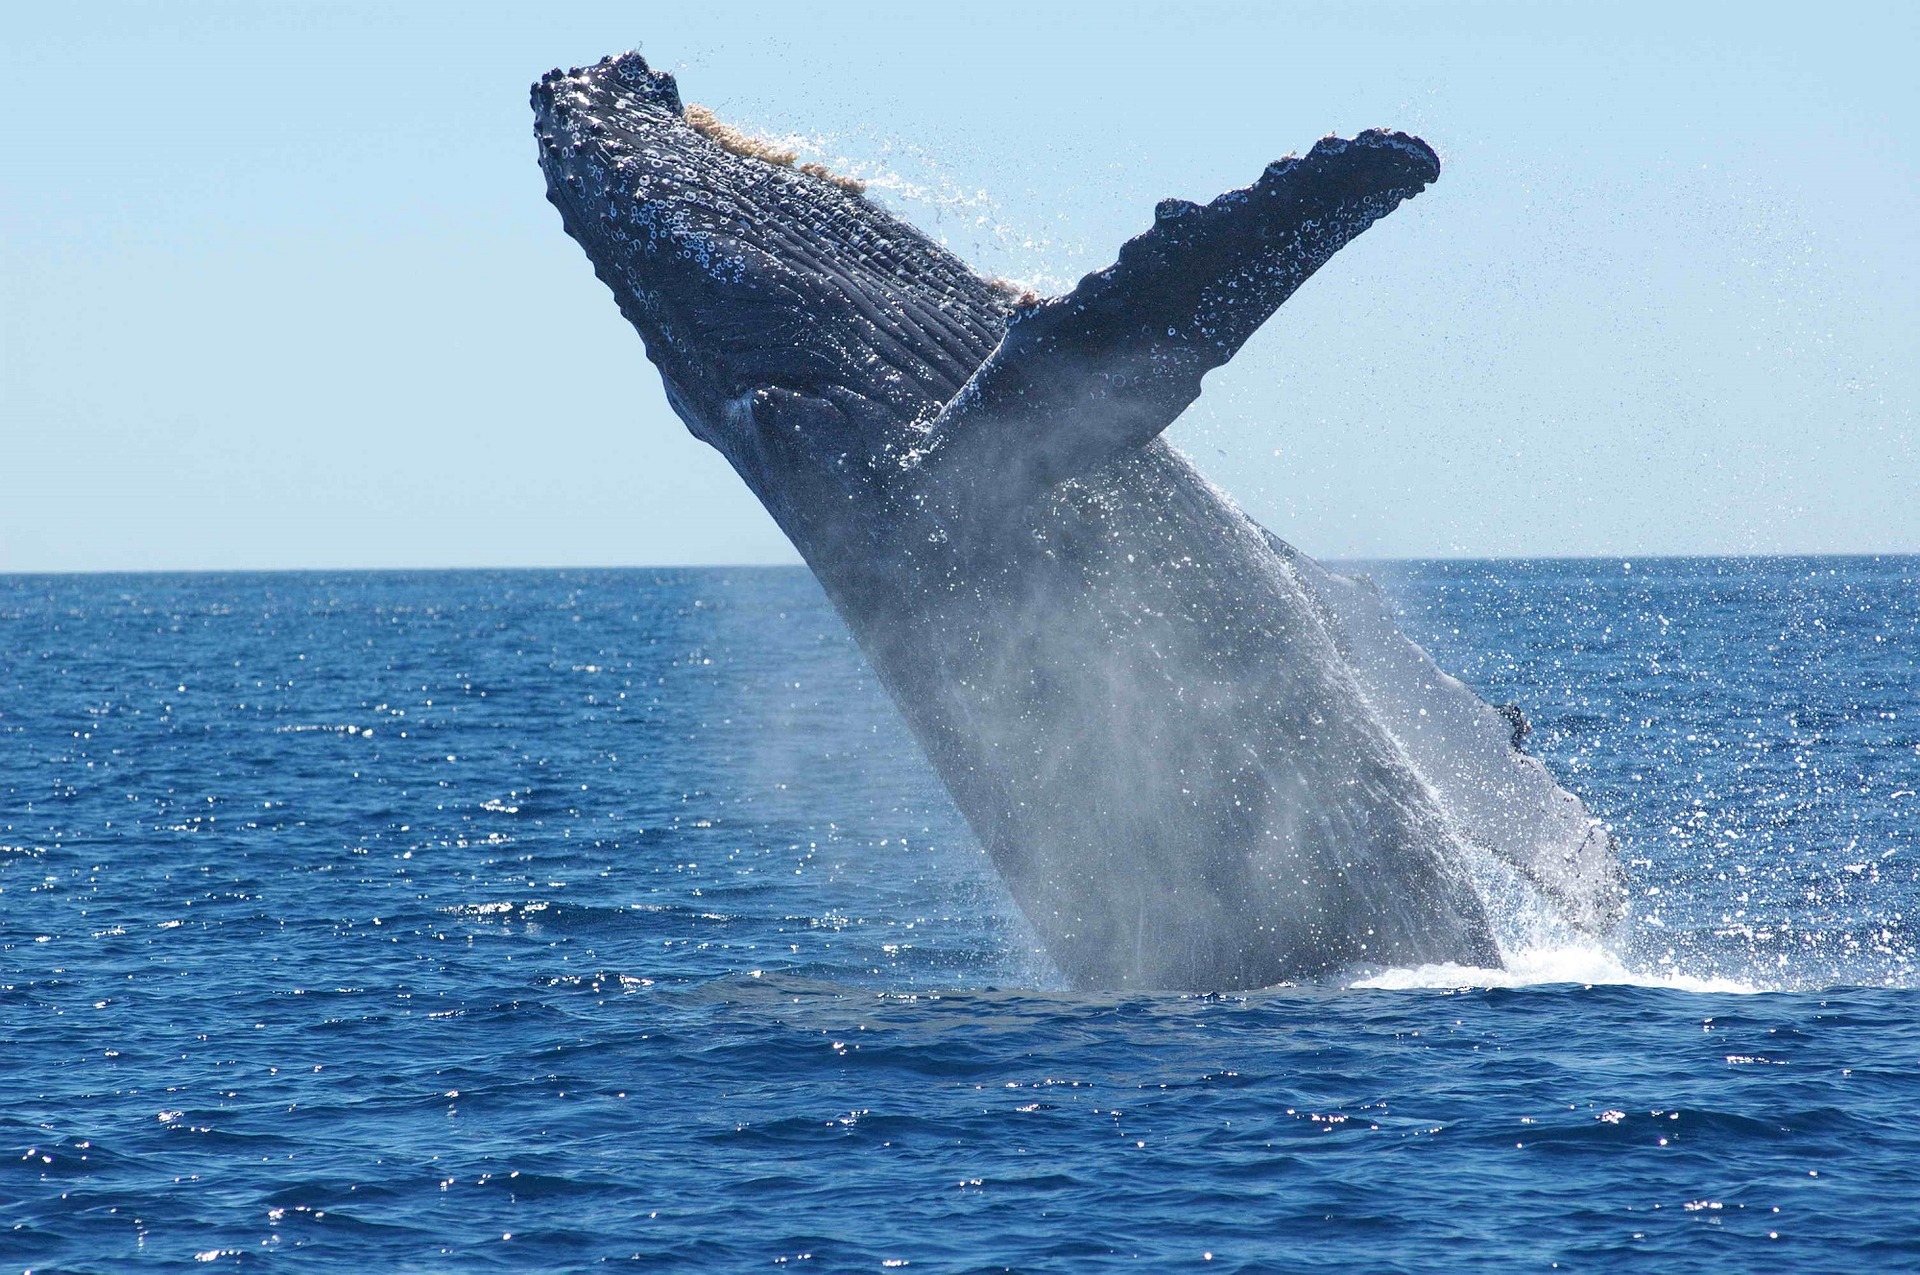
(551, 920)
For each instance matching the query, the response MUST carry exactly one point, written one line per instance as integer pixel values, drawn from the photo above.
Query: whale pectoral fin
(1083, 377)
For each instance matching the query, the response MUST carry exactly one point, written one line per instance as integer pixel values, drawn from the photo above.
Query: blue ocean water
(544, 920)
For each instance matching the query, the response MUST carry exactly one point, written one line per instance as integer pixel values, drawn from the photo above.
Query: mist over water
(534, 919)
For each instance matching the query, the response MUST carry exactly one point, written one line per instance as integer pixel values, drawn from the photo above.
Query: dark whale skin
(1199, 760)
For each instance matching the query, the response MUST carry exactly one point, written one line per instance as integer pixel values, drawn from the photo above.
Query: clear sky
(281, 288)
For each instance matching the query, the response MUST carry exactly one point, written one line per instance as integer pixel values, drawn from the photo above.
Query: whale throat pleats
(1079, 379)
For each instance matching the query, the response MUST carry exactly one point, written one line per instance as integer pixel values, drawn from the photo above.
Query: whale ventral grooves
(1198, 759)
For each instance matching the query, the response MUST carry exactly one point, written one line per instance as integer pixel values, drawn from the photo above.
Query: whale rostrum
(1199, 760)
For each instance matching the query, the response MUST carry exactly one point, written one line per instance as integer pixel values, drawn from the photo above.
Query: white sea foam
(1539, 946)
(1588, 964)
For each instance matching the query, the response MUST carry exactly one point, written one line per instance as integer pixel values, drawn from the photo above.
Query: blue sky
(280, 287)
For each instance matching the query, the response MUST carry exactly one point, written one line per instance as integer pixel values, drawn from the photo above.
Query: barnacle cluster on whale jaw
(728, 138)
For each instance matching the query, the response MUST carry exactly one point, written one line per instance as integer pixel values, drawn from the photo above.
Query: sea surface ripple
(552, 920)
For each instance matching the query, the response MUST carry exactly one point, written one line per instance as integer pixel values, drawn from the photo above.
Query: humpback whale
(1199, 760)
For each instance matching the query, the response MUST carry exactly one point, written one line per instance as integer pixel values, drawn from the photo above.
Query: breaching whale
(1199, 760)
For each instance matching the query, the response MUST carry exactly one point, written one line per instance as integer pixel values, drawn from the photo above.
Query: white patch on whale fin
(1081, 378)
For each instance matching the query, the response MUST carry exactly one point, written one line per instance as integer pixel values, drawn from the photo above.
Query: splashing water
(1751, 721)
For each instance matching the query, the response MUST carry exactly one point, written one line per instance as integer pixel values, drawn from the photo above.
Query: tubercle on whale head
(629, 70)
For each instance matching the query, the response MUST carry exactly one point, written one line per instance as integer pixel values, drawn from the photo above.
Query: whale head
(753, 285)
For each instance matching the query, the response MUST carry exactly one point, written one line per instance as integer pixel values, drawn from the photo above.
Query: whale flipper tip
(1108, 366)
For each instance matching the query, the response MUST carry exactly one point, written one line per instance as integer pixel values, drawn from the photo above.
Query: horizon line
(1755, 556)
